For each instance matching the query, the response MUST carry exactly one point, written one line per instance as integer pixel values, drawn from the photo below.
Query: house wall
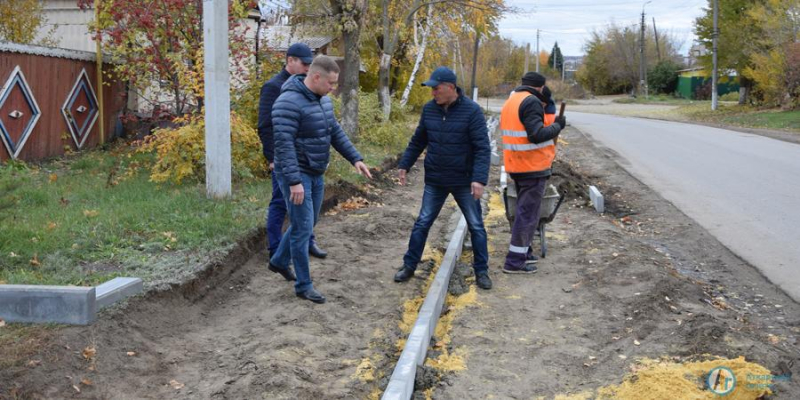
(51, 80)
(71, 25)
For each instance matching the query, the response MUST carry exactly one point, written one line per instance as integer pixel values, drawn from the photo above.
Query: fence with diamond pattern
(48, 101)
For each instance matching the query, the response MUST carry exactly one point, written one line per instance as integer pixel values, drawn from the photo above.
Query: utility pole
(537, 50)
(217, 98)
(527, 56)
(655, 32)
(642, 64)
(475, 64)
(714, 99)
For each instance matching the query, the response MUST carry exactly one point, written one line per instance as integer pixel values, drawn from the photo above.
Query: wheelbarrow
(551, 201)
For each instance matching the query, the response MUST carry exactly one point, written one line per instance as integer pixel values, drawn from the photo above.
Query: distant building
(695, 52)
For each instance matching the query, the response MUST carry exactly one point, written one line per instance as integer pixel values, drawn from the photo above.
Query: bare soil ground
(239, 331)
(642, 281)
(641, 273)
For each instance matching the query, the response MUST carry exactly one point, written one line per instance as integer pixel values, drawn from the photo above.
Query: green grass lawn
(661, 99)
(744, 116)
(74, 222)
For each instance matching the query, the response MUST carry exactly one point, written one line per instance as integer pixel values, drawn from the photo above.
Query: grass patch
(744, 116)
(661, 99)
(89, 219)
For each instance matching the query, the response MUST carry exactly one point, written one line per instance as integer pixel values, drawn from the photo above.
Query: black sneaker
(404, 274)
(313, 295)
(531, 259)
(526, 269)
(285, 273)
(483, 281)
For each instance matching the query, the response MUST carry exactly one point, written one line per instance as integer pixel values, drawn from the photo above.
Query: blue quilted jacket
(457, 143)
(305, 128)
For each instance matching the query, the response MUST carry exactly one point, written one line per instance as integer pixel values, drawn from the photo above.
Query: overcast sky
(570, 22)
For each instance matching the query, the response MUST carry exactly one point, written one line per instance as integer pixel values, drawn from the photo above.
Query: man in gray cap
(298, 60)
(528, 153)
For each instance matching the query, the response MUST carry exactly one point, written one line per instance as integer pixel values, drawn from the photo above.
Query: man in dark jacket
(298, 59)
(528, 152)
(453, 130)
(305, 128)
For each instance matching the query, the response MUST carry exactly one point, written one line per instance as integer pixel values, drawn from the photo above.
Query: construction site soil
(632, 303)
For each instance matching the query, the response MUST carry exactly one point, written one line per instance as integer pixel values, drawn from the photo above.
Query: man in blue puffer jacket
(453, 129)
(298, 59)
(305, 128)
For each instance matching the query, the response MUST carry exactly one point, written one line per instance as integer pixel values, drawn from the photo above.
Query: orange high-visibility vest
(519, 154)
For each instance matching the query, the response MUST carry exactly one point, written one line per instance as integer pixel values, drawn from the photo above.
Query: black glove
(561, 121)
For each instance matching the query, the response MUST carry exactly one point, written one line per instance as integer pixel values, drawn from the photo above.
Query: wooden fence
(49, 102)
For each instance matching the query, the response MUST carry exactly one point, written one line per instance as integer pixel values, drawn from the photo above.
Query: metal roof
(52, 52)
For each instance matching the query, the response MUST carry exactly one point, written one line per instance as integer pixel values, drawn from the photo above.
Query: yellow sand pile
(663, 379)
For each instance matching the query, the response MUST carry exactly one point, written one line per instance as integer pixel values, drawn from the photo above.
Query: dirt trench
(238, 330)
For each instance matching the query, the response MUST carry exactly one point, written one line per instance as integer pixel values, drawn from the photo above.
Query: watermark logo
(721, 381)
(768, 381)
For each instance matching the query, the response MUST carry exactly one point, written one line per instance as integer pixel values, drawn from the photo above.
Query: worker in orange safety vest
(528, 152)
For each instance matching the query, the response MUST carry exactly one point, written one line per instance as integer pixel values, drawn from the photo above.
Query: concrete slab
(401, 384)
(597, 199)
(42, 304)
(117, 289)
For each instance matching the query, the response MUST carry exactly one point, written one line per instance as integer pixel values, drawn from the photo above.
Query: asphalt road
(743, 188)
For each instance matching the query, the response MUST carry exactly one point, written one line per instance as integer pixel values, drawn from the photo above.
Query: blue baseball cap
(441, 75)
(301, 51)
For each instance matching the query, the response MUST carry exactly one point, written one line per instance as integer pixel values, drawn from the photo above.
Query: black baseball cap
(441, 75)
(301, 51)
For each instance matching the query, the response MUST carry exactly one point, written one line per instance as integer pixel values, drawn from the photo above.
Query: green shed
(690, 79)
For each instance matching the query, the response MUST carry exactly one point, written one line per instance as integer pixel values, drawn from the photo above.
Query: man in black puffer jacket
(453, 129)
(305, 128)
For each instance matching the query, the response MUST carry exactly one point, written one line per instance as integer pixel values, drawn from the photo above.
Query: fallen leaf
(35, 260)
(63, 201)
(51, 225)
(176, 385)
(131, 353)
(89, 352)
(773, 339)
(53, 178)
(91, 213)
(86, 382)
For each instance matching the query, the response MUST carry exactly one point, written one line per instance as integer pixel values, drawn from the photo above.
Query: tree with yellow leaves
(22, 20)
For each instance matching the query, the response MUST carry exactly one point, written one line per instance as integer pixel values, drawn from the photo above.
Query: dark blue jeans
(302, 218)
(276, 213)
(432, 201)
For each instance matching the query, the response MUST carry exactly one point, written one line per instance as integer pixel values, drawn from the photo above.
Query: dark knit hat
(534, 79)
